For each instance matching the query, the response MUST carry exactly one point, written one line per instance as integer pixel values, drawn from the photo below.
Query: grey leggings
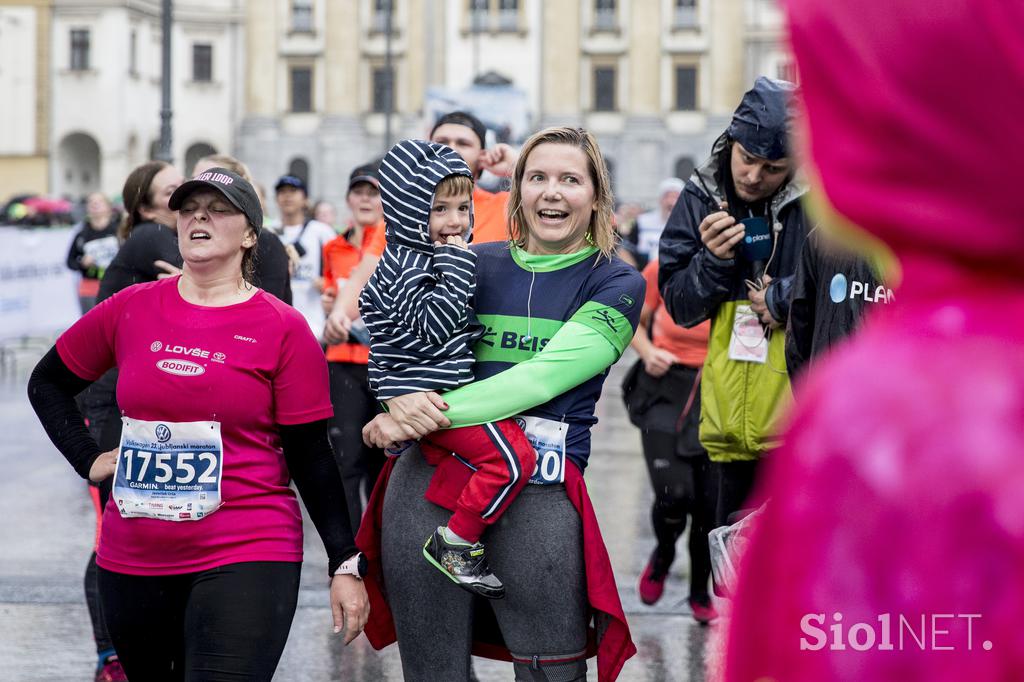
(535, 549)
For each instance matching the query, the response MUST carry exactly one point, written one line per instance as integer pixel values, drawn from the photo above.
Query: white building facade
(655, 80)
(106, 86)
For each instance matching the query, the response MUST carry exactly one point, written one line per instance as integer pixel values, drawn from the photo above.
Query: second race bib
(169, 470)
(548, 440)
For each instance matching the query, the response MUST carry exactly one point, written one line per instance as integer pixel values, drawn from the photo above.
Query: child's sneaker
(465, 564)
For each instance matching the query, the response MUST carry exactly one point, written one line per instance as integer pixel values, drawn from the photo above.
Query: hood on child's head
(409, 175)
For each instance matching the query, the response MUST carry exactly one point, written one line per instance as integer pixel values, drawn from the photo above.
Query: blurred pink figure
(900, 491)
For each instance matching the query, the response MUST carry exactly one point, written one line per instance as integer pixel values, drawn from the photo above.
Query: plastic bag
(728, 544)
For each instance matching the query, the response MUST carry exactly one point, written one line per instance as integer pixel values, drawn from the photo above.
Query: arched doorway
(684, 167)
(78, 166)
(299, 167)
(196, 152)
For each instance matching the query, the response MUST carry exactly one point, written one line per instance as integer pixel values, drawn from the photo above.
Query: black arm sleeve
(51, 390)
(75, 253)
(307, 450)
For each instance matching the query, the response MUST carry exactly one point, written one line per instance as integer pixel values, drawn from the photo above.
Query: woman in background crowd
(93, 247)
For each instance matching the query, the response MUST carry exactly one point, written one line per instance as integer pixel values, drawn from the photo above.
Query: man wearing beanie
(728, 254)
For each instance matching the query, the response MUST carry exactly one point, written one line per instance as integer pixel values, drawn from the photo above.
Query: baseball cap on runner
(368, 172)
(291, 181)
(231, 186)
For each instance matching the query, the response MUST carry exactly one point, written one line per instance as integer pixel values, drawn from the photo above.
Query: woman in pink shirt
(224, 399)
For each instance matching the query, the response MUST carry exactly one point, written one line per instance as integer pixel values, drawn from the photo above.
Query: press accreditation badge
(169, 470)
(548, 440)
(749, 342)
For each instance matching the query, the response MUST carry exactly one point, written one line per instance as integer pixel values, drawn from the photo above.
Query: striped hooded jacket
(416, 304)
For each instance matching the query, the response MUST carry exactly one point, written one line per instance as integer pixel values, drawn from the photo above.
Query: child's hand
(453, 240)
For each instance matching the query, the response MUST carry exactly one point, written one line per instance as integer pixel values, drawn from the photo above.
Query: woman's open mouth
(548, 215)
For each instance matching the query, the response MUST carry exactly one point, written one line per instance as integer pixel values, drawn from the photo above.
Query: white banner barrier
(38, 294)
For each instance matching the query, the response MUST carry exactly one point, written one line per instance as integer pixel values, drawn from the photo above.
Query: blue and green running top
(553, 327)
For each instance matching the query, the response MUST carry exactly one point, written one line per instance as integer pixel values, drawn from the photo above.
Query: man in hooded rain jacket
(739, 275)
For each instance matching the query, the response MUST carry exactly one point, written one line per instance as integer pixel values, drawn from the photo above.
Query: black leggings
(535, 548)
(354, 406)
(683, 486)
(735, 483)
(92, 593)
(98, 404)
(227, 623)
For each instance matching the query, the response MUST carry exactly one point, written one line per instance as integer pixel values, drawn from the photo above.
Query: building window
(604, 88)
(604, 15)
(686, 88)
(479, 15)
(302, 16)
(381, 8)
(508, 15)
(133, 53)
(383, 90)
(302, 89)
(786, 70)
(299, 167)
(202, 62)
(684, 167)
(79, 49)
(685, 14)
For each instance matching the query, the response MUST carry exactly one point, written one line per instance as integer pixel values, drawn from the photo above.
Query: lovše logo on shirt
(184, 367)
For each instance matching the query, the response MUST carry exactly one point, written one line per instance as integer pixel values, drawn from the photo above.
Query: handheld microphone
(756, 246)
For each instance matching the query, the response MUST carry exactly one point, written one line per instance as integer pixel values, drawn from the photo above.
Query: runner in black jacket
(832, 290)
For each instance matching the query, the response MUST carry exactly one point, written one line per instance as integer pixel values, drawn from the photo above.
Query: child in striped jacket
(417, 310)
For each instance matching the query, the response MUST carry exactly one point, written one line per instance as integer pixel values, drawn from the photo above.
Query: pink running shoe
(111, 672)
(652, 580)
(703, 611)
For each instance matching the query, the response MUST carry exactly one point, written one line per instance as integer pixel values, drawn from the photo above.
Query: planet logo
(838, 288)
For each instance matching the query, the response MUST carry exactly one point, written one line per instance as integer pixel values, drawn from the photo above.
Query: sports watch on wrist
(355, 565)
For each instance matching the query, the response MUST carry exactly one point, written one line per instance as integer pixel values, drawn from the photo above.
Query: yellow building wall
(560, 71)
(23, 175)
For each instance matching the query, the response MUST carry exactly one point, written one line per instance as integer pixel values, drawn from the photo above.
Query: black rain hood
(409, 175)
(762, 121)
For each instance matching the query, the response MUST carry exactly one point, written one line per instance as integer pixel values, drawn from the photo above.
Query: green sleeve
(577, 352)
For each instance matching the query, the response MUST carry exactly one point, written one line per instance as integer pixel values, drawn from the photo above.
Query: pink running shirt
(261, 366)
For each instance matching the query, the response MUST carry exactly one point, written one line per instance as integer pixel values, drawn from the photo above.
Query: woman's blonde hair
(601, 232)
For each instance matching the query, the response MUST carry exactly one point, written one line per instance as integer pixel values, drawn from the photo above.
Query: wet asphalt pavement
(47, 533)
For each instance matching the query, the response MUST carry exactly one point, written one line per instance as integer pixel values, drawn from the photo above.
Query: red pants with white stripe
(504, 461)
